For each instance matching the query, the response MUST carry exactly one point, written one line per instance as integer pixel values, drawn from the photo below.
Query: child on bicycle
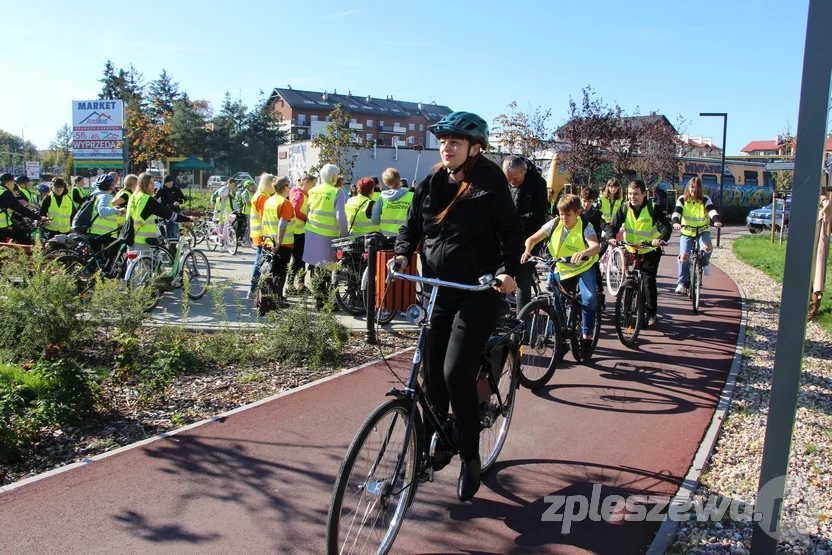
(642, 221)
(694, 209)
(591, 212)
(573, 236)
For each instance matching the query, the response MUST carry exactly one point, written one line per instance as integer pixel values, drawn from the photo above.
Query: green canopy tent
(194, 165)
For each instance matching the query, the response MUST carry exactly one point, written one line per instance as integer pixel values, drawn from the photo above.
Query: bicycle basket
(348, 245)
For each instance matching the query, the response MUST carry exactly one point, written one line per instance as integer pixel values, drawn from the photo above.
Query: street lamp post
(724, 117)
(23, 143)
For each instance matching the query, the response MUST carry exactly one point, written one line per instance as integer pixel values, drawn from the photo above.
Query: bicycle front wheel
(231, 237)
(496, 412)
(629, 309)
(196, 272)
(616, 266)
(695, 290)
(540, 344)
(376, 482)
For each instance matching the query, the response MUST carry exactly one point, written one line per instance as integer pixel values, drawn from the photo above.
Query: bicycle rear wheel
(540, 344)
(196, 272)
(616, 266)
(231, 238)
(629, 309)
(370, 497)
(695, 282)
(348, 293)
(496, 412)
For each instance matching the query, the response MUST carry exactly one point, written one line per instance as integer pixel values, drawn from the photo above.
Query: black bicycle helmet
(21, 179)
(104, 181)
(464, 124)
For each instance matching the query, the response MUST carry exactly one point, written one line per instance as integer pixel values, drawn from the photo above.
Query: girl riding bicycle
(464, 217)
(642, 221)
(694, 209)
(573, 236)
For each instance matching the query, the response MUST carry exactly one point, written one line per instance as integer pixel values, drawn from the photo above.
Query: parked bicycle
(552, 326)
(387, 459)
(347, 277)
(165, 272)
(630, 303)
(222, 236)
(696, 256)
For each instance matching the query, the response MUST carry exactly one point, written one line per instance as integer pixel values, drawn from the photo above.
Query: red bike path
(260, 480)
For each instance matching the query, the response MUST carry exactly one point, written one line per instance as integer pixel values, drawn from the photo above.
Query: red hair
(365, 186)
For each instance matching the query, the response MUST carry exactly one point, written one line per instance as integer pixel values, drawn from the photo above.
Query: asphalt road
(260, 480)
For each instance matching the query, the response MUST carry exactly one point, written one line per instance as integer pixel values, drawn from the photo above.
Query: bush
(17, 428)
(172, 358)
(226, 347)
(118, 306)
(39, 308)
(298, 336)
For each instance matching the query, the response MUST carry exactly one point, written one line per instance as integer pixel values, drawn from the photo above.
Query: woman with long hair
(143, 210)
(265, 189)
(694, 209)
(464, 217)
(610, 199)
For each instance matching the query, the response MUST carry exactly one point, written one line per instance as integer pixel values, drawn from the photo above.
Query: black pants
(525, 274)
(297, 254)
(459, 332)
(650, 269)
(280, 265)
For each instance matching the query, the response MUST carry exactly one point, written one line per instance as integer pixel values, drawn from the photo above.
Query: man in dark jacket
(528, 191)
(171, 197)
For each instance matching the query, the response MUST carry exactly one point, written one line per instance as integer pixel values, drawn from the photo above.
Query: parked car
(240, 177)
(760, 219)
(216, 181)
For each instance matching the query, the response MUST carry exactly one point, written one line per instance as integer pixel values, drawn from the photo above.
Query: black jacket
(168, 195)
(659, 217)
(482, 233)
(530, 200)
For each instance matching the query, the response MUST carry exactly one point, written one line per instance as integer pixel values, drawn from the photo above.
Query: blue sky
(743, 57)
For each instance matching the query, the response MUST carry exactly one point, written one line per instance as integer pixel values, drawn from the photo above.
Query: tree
(189, 135)
(225, 142)
(262, 135)
(337, 144)
(590, 130)
(163, 96)
(657, 147)
(784, 179)
(522, 133)
(60, 149)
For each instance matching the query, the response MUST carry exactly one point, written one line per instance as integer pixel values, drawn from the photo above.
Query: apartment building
(386, 121)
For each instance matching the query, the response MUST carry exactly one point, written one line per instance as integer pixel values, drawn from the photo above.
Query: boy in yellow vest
(643, 222)
(572, 236)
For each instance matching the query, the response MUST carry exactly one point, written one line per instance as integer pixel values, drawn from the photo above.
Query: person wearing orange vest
(278, 222)
(326, 219)
(299, 197)
(265, 189)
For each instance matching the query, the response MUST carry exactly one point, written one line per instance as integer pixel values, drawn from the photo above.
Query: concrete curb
(89, 460)
(667, 531)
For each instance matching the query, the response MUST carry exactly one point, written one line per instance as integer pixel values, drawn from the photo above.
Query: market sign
(97, 130)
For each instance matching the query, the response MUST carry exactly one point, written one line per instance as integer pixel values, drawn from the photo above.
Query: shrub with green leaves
(172, 357)
(117, 306)
(299, 336)
(39, 307)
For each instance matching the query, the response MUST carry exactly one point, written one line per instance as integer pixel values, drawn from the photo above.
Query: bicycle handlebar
(486, 282)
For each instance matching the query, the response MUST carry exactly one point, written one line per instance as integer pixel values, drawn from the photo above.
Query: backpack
(85, 216)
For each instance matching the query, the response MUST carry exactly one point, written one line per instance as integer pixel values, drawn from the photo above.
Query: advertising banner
(33, 170)
(97, 130)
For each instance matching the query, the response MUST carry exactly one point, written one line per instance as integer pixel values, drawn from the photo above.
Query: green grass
(758, 251)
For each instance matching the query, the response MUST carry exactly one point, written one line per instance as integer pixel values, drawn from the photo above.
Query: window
(421, 140)
(369, 136)
(727, 181)
(314, 118)
(709, 179)
(327, 118)
(309, 102)
(751, 178)
(421, 127)
(410, 140)
(395, 110)
(396, 124)
(301, 119)
(353, 120)
(369, 123)
(687, 177)
(381, 124)
(412, 127)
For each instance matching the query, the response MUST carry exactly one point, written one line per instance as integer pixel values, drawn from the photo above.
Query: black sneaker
(586, 350)
(602, 303)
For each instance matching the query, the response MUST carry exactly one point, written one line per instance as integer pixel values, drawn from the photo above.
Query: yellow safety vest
(122, 218)
(5, 217)
(223, 209)
(271, 221)
(61, 216)
(255, 222)
(356, 209)
(376, 195)
(640, 229)
(574, 243)
(321, 215)
(102, 225)
(29, 195)
(300, 225)
(394, 214)
(245, 202)
(144, 229)
(693, 214)
(608, 209)
(72, 195)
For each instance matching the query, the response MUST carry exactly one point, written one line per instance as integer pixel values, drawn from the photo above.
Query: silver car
(760, 219)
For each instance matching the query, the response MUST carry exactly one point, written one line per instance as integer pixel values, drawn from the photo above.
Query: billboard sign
(33, 170)
(97, 129)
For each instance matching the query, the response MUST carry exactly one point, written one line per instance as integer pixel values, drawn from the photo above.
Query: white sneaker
(680, 289)
(706, 270)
